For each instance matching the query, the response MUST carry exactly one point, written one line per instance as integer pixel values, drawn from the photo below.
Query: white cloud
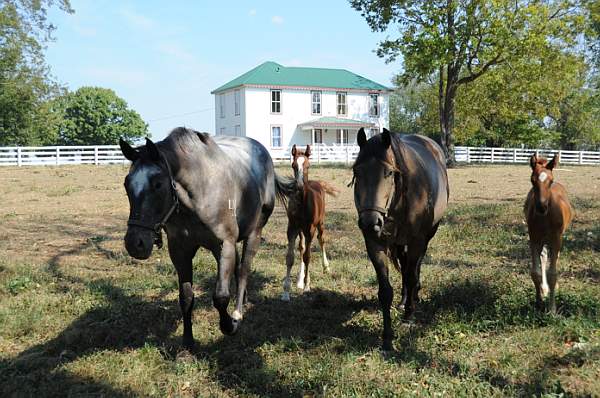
(277, 20)
(252, 12)
(136, 20)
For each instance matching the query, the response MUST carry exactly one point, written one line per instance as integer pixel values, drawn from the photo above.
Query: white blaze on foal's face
(543, 176)
(300, 162)
(140, 179)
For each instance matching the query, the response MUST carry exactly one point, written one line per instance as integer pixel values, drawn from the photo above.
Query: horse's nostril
(140, 244)
(377, 227)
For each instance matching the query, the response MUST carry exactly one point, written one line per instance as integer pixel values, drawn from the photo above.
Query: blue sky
(164, 58)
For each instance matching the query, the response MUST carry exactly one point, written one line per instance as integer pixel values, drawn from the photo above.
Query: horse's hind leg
(308, 237)
(250, 248)
(410, 273)
(536, 273)
(292, 234)
(320, 232)
(301, 271)
(552, 273)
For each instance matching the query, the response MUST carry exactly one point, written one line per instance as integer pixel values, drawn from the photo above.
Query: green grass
(79, 317)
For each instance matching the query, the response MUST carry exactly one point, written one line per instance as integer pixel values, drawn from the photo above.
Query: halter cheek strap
(158, 227)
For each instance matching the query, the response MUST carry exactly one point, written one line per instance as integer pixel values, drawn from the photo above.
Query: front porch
(335, 131)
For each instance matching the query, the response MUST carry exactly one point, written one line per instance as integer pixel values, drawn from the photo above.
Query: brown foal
(306, 214)
(548, 214)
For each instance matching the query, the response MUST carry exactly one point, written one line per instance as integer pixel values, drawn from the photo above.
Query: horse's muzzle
(139, 243)
(371, 222)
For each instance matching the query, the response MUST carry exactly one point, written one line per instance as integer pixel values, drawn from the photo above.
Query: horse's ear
(386, 138)
(294, 150)
(204, 137)
(554, 162)
(129, 153)
(152, 149)
(533, 160)
(307, 151)
(361, 137)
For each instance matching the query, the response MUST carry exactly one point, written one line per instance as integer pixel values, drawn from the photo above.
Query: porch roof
(334, 122)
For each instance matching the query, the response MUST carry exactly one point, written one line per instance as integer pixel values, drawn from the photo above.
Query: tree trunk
(446, 101)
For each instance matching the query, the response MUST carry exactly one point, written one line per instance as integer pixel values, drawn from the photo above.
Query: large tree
(25, 82)
(96, 116)
(457, 42)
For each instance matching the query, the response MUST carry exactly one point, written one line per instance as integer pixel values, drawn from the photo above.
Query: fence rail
(519, 155)
(321, 153)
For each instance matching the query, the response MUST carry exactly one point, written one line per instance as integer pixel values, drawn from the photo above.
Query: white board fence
(321, 153)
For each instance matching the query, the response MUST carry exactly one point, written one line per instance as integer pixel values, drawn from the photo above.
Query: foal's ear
(152, 149)
(554, 162)
(129, 153)
(204, 137)
(307, 151)
(294, 150)
(361, 137)
(386, 138)
(533, 160)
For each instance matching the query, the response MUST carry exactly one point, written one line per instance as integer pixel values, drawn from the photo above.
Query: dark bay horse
(548, 213)
(400, 192)
(306, 214)
(209, 192)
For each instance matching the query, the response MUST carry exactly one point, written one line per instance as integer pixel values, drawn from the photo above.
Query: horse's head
(151, 196)
(374, 180)
(541, 180)
(300, 164)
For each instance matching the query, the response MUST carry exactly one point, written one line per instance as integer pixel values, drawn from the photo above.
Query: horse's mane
(183, 142)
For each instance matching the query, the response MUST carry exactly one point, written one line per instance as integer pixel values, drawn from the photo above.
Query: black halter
(158, 227)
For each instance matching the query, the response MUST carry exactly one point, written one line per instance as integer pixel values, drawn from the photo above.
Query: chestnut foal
(306, 214)
(548, 214)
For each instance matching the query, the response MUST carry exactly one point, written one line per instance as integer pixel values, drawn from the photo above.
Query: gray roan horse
(400, 192)
(209, 192)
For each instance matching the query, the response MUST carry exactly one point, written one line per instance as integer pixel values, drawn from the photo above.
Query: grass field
(78, 317)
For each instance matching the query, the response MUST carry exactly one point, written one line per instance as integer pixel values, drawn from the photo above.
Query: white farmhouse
(280, 106)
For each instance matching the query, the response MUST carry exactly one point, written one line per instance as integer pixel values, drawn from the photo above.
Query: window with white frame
(342, 136)
(275, 101)
(238, 130)
(318, 138)
(276, 138)
(236, 99)
(373, 104)
(222, 105)
(341, 103)
(316, 102)
(222, 131)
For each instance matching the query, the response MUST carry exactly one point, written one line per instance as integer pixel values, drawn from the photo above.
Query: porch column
(312, 137)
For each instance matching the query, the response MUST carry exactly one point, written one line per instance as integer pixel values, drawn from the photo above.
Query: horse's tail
(284, 188)
(329, 189)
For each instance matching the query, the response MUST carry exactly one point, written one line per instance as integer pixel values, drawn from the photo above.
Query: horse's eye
(388, 173)
(158, 185)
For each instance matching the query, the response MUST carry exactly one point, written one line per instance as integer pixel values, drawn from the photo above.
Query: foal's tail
(284, 188)
(329, 189)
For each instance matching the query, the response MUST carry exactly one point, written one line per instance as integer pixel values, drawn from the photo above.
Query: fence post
(57, 156)
(514, 155)
(493, 154)
(19, 161)
(96, 155)
(580, 157)
(468, 154)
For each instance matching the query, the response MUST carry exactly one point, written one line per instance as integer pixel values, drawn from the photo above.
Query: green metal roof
(330, 121)
(272, 74)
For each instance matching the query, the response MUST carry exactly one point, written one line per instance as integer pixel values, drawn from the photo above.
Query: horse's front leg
(222, 295)
(552, 274)
(292, 234)
(249, 251)
(308, 237)
(320, 232)
(182, 260)
(386, 293)
(536, 273)
(301, 270)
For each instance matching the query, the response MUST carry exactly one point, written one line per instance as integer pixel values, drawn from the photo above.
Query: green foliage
(96, 116)
(455, 43)
(25, 82)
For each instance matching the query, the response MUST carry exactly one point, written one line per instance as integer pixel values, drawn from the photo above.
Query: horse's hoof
(306, 289)
(285, 296)
(387, 348)
(189, 343)
(300, 285)
(229, 326)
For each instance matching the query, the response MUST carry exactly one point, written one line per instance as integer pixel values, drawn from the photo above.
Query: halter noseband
(158, 227)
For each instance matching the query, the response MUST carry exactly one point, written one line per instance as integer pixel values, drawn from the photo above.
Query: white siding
(230, 120)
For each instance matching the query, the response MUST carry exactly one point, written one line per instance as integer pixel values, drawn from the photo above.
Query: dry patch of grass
(80, 317)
